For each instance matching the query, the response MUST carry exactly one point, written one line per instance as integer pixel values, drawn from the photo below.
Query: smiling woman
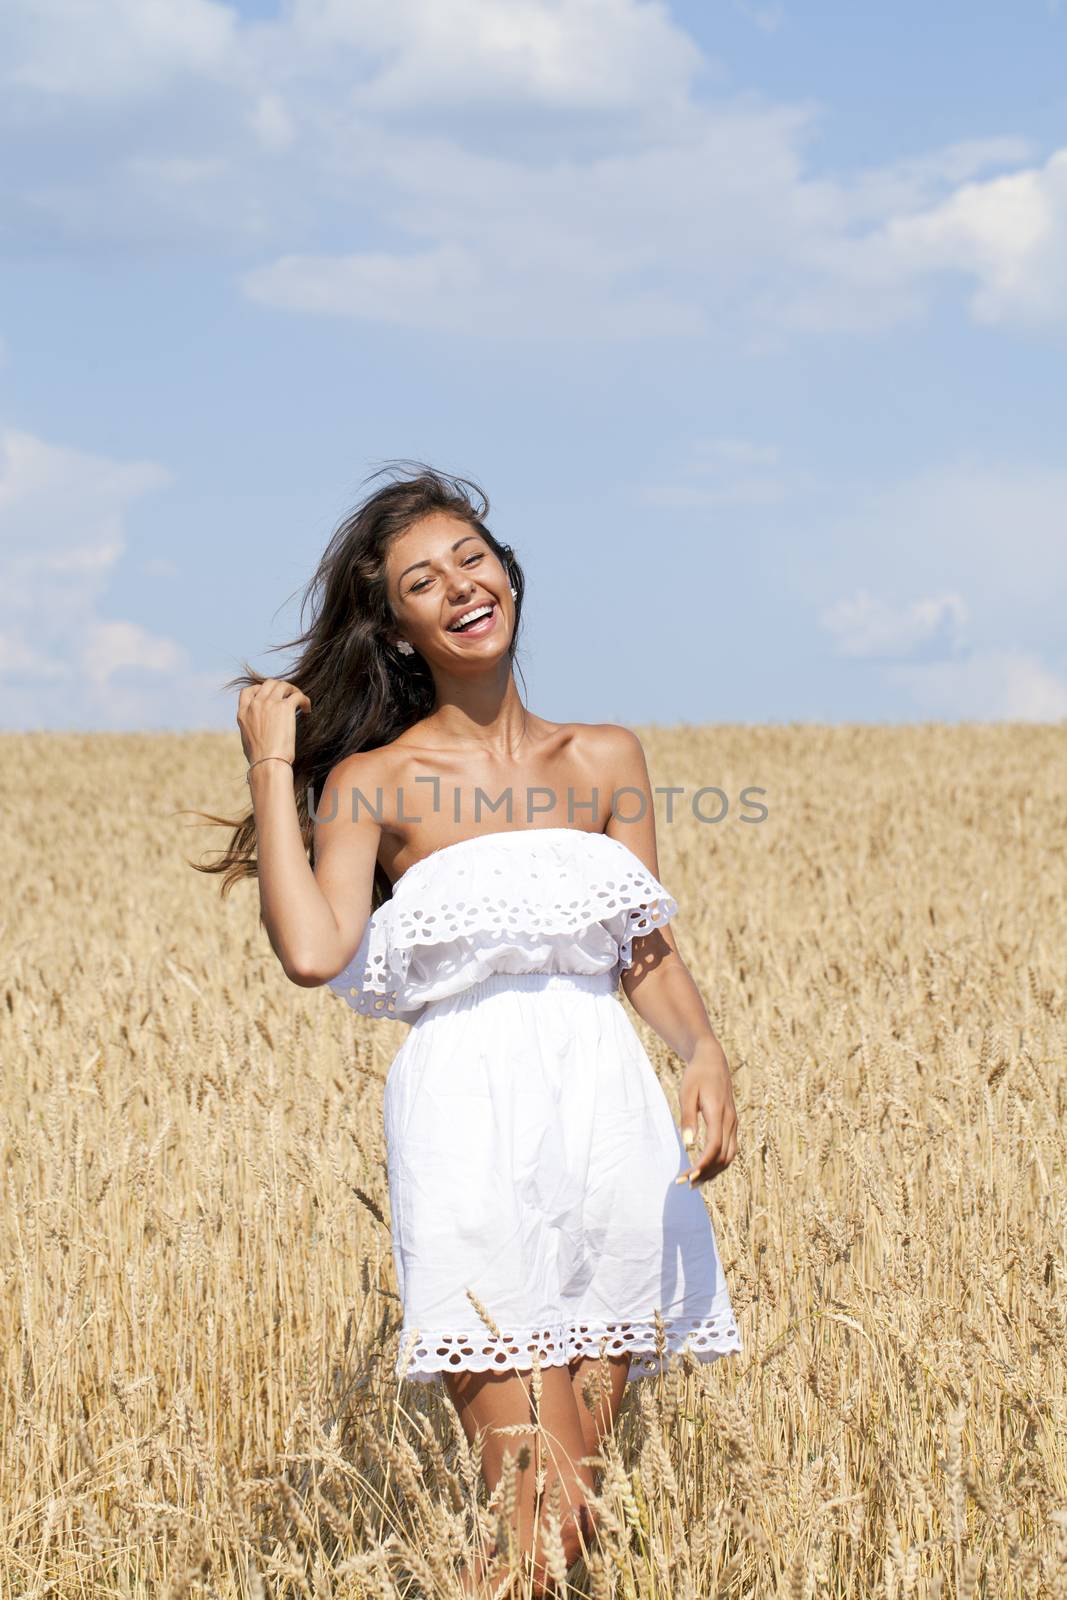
(546, 1243)
(365, 682)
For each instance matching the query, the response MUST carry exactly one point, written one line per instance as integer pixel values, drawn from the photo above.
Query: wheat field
(199, 1316)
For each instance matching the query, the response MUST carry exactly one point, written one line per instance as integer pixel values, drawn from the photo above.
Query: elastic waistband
(591, 982)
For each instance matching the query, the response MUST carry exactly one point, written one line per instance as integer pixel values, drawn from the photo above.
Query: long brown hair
(363, 691)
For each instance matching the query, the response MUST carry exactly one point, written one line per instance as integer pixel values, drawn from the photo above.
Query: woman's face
(438, 573)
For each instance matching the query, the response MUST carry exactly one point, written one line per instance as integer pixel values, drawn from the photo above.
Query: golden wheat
(199, 1317)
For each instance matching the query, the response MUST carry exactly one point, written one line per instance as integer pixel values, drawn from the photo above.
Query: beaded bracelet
(256, 763)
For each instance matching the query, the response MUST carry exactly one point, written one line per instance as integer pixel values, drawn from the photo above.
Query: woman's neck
(483, 717)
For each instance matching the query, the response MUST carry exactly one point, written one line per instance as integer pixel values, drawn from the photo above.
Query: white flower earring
(514, 592)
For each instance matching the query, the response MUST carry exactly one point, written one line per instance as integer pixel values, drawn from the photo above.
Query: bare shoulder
(361, 789)
(379, 764)
(611, 748)
(623, 769)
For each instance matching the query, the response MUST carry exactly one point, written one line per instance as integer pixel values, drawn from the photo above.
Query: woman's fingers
(721, 1143)
(272, 689)
(697, 1170)
(709, 1164)
(267, 716)
(282, 689)
(302, 701)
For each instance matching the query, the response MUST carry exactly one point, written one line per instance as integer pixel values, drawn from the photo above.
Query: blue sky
(751, 318)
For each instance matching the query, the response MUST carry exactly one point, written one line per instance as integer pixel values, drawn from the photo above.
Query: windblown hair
(364, 693)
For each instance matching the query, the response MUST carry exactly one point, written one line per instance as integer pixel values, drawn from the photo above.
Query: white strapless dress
(531, 1150)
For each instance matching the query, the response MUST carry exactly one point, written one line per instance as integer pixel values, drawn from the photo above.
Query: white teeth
(469, 616)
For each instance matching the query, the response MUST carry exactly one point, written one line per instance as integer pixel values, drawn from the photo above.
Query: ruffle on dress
(525, 900)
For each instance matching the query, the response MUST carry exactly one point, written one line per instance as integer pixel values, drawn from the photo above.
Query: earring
(514, 592)
(405, 648)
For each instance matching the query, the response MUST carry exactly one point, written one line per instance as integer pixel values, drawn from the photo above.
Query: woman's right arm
(314, 919)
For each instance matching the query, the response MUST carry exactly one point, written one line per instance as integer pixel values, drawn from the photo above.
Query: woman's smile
(484, 616)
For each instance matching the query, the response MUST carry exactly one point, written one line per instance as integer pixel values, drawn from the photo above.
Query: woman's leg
(603, 1380)
(491, 1401)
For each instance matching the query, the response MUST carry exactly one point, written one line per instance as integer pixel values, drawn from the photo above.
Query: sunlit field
(199, 1319)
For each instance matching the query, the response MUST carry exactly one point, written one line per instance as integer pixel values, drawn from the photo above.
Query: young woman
(472, 871)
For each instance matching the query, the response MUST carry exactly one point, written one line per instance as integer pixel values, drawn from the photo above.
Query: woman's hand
(706, 1088)
(266, 716)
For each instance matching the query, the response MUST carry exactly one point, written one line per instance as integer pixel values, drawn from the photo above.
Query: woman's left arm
(658, 983)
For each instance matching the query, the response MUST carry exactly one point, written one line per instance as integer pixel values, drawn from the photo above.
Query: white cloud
(1005, 236)
(61, 514)
(160, 567)
(548, 166)
(980, 542)
(654, 239)
(768, 18)
(389, 288)
(565, 159)
(1009, 233)
(176, 171)
(456, 290)
(62, 534)
(101, 52)
(714, 454)
(914, 184)
(110, 646)
(694, 497)
(19, 659)
(590, 54)
(393, 55)
(989, 685)
(724, 471)
(714, 221)
(271, 122)
(864, 626)
(991, 529)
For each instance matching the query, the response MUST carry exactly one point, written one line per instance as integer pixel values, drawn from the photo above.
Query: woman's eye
(475, 555)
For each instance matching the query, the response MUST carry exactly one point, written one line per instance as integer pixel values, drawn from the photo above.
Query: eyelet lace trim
(424, 1359)
(514, 913)
(381, 990)
(477, 908)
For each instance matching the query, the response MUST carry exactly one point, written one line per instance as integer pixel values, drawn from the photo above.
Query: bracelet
(256, 763)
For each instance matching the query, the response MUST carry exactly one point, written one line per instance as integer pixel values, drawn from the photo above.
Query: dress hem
(427, 1359)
